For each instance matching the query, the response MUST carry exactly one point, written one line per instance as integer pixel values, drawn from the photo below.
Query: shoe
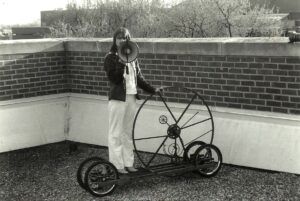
(131, 169)
(122, 171)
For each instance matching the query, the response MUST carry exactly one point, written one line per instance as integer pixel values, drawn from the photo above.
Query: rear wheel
(208, 160)
(83, 167)
(100, 178)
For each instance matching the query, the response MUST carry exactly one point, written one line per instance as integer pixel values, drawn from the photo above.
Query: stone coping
(276, 46)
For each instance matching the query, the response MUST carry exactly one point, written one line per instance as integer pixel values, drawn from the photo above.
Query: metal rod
(198, 137)
(186, 108)
(190, 119)
(163, 100)
(156, 152)
(147, 138)
(197, 123)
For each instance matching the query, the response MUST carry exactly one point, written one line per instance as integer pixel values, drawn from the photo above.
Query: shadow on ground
(49, 173)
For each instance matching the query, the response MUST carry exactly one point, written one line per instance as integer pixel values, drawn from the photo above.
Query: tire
(82, 169)
(108, 172)
(208, 154)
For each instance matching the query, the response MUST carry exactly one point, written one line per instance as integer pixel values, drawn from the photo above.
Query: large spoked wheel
(100, 178)
(183, 117)
(83, 168)
(208, 160)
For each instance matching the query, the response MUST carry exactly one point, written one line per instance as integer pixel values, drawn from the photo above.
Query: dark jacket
(114, 71)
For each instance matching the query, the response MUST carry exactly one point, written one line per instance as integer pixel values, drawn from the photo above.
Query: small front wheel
(208, 160)
(100, 178)
(82, 169)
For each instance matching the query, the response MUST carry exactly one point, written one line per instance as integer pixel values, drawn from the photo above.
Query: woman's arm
(114, 69)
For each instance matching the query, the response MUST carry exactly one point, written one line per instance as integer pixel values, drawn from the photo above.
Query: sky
(14, 12)
(26, 11)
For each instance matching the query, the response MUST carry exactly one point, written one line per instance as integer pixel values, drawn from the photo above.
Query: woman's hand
(159, 89)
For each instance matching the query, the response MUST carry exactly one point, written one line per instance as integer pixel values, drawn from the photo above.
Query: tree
(150, 18)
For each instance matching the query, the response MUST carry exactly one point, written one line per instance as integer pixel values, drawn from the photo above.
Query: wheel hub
(174, 131)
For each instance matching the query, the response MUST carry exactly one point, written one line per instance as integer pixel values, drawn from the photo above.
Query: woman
(124, 80)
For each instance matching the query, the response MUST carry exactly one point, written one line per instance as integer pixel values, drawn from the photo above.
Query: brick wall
(232, 79)
(255, 83)
(30, 75)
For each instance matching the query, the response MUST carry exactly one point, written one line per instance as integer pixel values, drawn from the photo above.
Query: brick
(285, 67)
(293, 85)
(236, 94)
(295, 99)
(228, 64)
(289, 92)
(249, 71)
(249, 107)
(206, 58)
(280, 72)
(267, 109)
(228, 88)
(215, 75)
(247, 59)
(242, 89)
(257, 90)
(273, 90)
(255, 65)
(190, 63)
(271, 78)
(289, 105)
(280, 110)
(295, 60)
(172, 57)
(294, 111)
(215, 64)
(233, 59)
(262, 59)
(247, 83)
(294, 73)
(22, 61)
(265, 96)
(287, 79)
(278, 59)
(219, 81)
(243, 77)
(271, 66)
(251, 95)
(219, 58)
(235, 70)
(274, 103)
(241, 65)
(178, 63)
(262, 84)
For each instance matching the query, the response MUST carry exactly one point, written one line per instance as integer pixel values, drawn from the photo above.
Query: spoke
(195, 95)
(198, 137)
(196, 123)
(146, 138)
(157, 151)
(163, 100)
(190, 119)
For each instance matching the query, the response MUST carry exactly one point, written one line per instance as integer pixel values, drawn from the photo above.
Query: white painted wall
(247, 138)
(32, 121)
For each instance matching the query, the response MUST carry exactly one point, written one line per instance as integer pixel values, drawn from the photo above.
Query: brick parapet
(245, 81)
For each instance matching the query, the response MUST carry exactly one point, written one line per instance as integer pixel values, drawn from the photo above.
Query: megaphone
(128, 51)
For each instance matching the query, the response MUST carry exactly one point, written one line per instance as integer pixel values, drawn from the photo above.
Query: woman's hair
(121, 31)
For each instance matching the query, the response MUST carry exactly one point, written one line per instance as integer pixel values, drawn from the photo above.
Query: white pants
(121, 117)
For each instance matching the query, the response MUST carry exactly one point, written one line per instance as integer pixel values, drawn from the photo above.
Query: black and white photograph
(149, 100)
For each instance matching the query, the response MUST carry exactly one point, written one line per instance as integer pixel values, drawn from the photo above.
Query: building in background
(29, 32)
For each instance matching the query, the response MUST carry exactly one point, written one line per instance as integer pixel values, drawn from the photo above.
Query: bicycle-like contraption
(174, 140)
